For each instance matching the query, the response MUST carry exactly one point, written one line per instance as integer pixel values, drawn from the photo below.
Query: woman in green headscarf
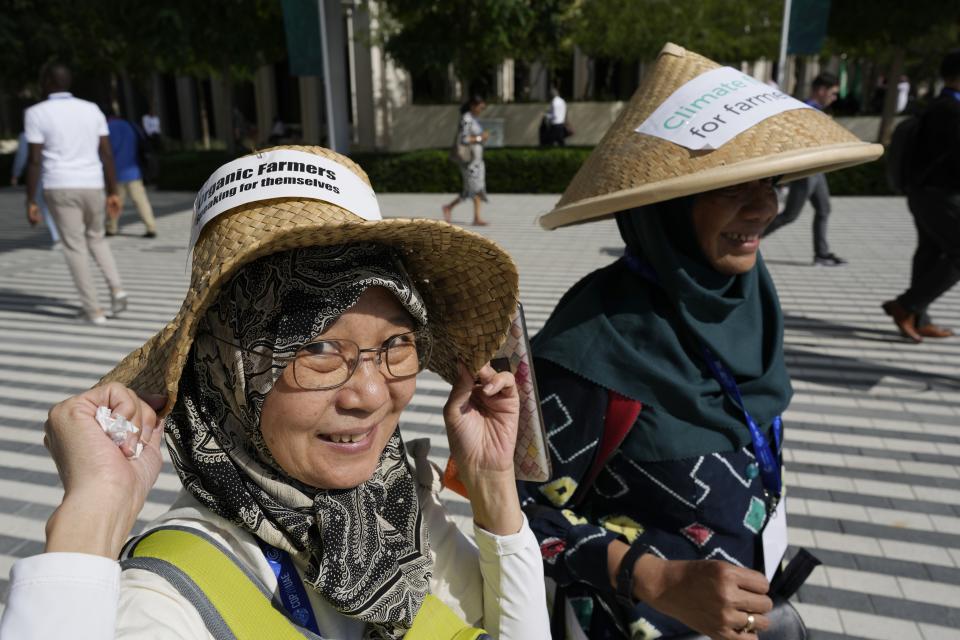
(662, 375)
(680, 484)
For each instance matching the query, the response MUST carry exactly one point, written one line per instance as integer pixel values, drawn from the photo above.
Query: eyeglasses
(743, 189)
(329, 363)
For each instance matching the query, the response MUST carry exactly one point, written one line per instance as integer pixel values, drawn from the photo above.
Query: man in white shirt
(69, 138)
(556, 119)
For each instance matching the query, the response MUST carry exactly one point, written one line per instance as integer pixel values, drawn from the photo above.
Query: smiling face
(728, 224)
(333, 439)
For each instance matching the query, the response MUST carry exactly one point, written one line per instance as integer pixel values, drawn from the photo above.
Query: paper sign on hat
(647, 157)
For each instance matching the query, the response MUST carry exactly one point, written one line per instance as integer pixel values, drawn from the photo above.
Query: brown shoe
(934, 331)
(905, 321)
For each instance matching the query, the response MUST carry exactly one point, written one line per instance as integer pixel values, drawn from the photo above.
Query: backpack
(902, 155)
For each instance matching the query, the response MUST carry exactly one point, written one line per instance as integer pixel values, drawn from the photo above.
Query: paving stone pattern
(873, 442)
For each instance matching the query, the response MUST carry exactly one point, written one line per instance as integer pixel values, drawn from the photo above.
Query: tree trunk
(114, 93)
(204, 114)
(6, 124)
(890, 97)
(221, 86)
(129, 104)
(868, 80)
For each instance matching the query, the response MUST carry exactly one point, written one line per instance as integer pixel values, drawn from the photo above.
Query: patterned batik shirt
(706, 507)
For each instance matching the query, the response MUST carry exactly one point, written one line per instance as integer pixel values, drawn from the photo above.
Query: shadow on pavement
(824, 327)
(843, 371)
(13, 300)
(862, 375)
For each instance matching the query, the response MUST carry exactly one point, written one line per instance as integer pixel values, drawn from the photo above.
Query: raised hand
(481, 417)
(104, 486)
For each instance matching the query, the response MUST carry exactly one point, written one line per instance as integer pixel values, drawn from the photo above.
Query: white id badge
(775, 538)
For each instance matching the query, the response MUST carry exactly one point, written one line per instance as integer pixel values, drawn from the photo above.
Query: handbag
(460, 153)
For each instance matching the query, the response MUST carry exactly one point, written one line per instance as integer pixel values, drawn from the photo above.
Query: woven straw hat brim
(791, 165)
(469, 284)
(629, 169)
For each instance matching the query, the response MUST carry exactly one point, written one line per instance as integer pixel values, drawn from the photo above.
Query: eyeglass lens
(325, 364)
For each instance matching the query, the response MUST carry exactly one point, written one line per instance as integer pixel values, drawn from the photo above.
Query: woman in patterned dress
(473, 172)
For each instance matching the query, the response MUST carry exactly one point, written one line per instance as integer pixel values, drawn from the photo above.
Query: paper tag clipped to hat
(710, 110)
(282, 173)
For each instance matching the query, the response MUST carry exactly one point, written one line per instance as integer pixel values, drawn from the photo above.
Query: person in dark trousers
(823, 93)
(934, 202)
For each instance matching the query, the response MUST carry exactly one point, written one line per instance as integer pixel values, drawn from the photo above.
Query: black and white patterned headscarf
(366, 548)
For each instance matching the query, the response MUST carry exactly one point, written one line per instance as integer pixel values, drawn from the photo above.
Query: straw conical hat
(629, 169)
(468, 283)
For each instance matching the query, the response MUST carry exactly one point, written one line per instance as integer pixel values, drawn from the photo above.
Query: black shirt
(939, 142)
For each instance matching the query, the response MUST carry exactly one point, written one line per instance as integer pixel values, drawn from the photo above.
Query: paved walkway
(873, 440)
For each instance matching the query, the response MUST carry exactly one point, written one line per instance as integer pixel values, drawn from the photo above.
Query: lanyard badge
(767, 453)
(292, 593)
(768, 457)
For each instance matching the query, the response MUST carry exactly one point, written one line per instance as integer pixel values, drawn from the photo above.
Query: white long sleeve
(62, 595)
(514, 599)
(495, 582)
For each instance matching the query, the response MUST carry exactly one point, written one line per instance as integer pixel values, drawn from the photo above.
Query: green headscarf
(645, 340)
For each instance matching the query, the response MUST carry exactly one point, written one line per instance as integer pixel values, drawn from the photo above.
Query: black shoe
(109, 233)
(829, 260)
(150, 234)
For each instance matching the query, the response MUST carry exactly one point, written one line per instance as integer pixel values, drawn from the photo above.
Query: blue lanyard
(292, 594)
(767, 457)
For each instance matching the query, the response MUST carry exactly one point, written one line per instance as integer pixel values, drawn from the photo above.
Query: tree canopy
(178, 36)
(426, 36)
(472, 35)
(724, 30)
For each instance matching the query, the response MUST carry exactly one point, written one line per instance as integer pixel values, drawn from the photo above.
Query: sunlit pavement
(873, 440)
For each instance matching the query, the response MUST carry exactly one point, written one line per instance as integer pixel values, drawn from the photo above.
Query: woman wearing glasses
(662, 375)
(286, 373)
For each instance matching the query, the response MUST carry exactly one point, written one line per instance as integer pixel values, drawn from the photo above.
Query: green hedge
(510, 170)
(862, 180)
(513, 170)
(188, 170)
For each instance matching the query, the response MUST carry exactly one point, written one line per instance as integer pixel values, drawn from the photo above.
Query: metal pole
(784, 37)
(327, 89)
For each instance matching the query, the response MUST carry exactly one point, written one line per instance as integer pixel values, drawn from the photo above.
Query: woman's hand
(712, 597)
(104, 487)
(481, 418)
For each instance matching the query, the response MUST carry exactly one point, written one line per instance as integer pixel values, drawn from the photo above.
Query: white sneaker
(118, 302)
(98, 319)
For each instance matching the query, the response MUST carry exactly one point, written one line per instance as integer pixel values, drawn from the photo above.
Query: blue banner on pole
(808, 26)
(301, 23)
